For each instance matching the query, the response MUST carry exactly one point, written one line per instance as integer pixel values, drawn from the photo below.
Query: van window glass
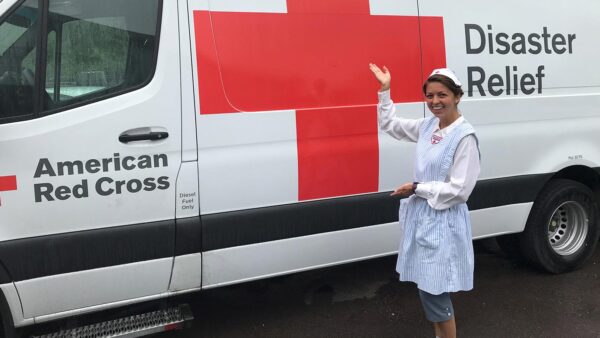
(100, 47)
(18, 41)
(92, 50)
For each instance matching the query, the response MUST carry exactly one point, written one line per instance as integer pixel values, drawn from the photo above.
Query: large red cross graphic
(314, 59)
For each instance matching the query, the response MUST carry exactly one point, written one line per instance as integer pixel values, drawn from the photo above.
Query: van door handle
(151, 136)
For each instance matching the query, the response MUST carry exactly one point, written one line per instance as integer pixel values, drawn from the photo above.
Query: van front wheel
(7, 329)
(562, 230)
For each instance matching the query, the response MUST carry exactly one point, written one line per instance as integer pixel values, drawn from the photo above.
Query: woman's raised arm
(383, 76)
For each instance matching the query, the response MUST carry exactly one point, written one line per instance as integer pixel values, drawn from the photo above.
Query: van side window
(92, 50)
(17, 61)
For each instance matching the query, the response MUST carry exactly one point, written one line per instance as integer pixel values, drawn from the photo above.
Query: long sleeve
(399, 128)
(461, 178)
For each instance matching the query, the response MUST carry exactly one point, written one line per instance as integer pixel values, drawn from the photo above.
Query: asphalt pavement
(365, 299)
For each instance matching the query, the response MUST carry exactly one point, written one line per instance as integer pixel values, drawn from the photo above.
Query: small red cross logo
(8, 183)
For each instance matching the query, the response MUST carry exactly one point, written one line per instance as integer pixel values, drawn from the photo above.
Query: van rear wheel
(562, 230)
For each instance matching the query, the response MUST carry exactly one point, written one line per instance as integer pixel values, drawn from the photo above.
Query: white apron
(436, 246)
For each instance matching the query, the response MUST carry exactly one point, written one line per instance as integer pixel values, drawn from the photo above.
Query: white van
(150, 148)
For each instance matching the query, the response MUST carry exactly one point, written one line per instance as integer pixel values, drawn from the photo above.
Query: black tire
(7, 328)
(562, 229)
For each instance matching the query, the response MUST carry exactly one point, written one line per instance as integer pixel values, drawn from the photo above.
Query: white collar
(450, 128)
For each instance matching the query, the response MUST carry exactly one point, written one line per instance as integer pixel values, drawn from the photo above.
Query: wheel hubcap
(568, 228)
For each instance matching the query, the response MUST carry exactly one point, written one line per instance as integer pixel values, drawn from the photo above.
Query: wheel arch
(585, 175)
(10, 317)
(7, 320)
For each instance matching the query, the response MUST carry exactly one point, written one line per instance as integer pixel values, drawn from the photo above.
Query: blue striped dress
(436, 248)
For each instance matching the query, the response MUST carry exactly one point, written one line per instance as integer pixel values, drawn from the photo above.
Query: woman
(436, 249)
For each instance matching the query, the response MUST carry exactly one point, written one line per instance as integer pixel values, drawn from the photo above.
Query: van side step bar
(133, 326)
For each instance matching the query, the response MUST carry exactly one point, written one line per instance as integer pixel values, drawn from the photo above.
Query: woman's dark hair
(456, 90)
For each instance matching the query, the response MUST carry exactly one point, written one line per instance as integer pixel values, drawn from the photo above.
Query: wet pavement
(510, 299)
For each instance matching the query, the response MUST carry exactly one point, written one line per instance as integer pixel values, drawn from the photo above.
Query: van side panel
(334, 155)
(532, 91)
(287, 117)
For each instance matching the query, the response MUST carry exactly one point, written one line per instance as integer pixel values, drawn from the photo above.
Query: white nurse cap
(447, 72)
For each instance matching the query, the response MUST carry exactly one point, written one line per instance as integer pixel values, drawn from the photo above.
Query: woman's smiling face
(441, 101)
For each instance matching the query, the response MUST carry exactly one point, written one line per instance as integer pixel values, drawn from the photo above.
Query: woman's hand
(404, 190)
(384, 77)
